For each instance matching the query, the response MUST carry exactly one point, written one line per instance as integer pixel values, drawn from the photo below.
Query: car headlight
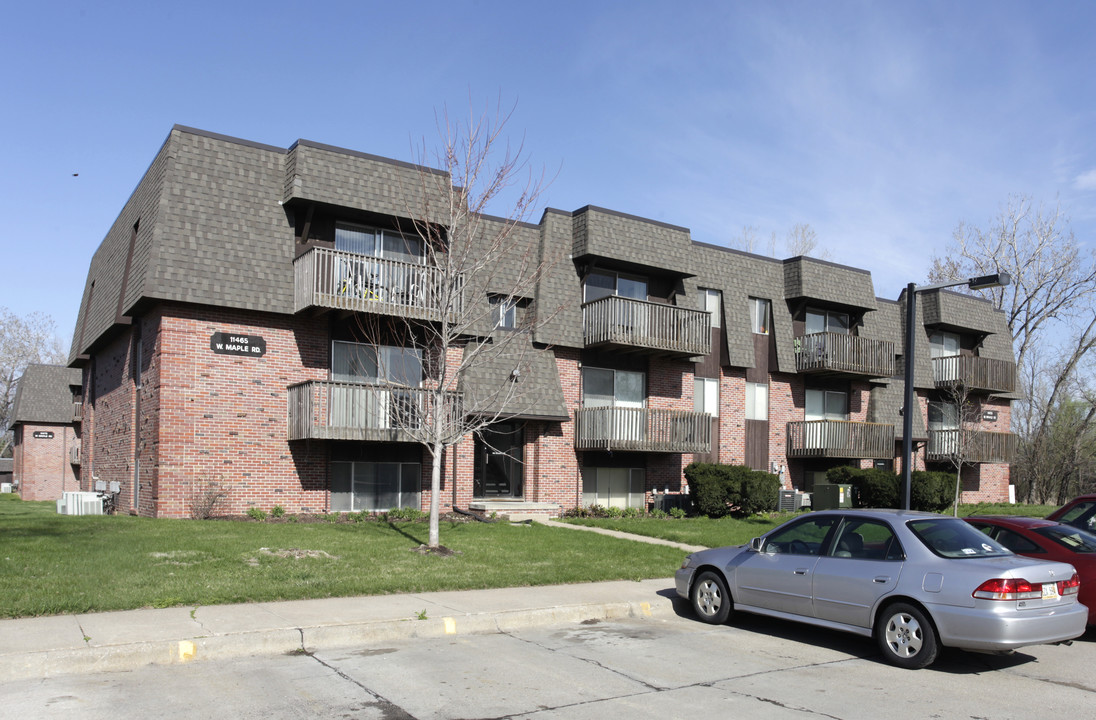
(687, 562)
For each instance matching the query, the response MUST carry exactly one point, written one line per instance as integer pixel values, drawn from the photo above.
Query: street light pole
(908, 404)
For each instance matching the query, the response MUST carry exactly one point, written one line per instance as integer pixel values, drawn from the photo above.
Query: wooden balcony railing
(335, 279)
(321, 409)
(624, 322)
(981, 446)
(642, 430)
(843, 353)
(78, 409)
(840, 439)
(977, 373)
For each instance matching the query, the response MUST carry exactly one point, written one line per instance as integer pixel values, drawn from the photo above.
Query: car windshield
(954, 538)
(1070, 538)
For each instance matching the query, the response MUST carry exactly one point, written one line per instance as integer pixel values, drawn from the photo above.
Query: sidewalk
(97, 642)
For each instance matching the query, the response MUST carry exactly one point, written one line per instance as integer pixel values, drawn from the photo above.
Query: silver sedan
(915, 581)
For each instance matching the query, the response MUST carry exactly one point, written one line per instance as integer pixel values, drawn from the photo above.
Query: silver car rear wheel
(711, 601)
(906, 637)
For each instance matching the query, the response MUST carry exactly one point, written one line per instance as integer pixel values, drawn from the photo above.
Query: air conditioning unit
(792, 500)
(80, 503)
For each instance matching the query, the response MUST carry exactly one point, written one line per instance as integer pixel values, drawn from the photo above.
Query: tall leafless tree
(24, 341)
(1049, 307)
(480, 269)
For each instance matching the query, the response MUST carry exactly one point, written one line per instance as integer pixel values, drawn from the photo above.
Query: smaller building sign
(43, 435)
(989, 416)
(231, 344)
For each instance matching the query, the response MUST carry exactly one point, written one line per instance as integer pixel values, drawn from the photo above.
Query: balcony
(77, 409)
(840, 439)
(325, 278)
(642, 430)
(981, 446)
(843, 354)
(622, 323)
(326, 410)
(977, 373)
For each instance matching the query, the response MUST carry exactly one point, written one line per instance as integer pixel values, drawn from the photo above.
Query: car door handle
(882, 579)
(801, 571)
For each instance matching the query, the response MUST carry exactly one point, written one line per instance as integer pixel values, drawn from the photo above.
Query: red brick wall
(42, 466)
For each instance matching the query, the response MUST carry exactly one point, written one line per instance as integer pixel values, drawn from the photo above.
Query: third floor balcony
(843, 354)
(335, 279)
(616, 322)
(840, 439)
(977, 373)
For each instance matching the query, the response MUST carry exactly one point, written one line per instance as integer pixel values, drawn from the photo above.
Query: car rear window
(954, 538)
(1070, 538)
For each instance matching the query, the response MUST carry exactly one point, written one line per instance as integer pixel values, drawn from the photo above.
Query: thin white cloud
(1085, 181)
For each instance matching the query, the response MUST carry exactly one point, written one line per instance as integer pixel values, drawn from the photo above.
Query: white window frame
(712, 301)
(760, 316)
(506, 312)
(617, 402)
(614, 487)
(939, 342)
(757, 401)
(706, 395)
(828, 397)
(357, 496)
(378, 249)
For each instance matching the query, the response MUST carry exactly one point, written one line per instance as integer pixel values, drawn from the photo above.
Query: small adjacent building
(46, 426)
(217, 343)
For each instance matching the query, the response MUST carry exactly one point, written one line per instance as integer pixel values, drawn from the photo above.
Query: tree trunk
(435, 493)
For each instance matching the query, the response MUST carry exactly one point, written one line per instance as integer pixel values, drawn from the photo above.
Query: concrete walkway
(112, 641)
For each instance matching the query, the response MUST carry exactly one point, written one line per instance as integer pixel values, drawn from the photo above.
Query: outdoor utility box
(829, 497)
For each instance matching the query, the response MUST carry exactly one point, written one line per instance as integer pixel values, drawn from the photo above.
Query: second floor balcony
(977, 373)
(328, 410)
(971, 446)
(334, 279)
(844, 354)
(840, 439)
(642, 430)
(627, 324)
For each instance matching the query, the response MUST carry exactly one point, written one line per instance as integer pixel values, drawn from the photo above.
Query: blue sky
(880, 124)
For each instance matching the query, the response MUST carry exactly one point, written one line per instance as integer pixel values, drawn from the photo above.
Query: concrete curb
(184, 647)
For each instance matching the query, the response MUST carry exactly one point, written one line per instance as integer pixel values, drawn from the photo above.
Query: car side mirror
(755, 544)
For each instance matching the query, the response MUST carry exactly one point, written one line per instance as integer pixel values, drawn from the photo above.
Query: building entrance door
(500, 462)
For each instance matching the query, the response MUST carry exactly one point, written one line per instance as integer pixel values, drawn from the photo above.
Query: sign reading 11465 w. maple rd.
(229, 344)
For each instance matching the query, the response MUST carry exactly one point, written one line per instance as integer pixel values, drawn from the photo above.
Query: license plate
(1050, 591)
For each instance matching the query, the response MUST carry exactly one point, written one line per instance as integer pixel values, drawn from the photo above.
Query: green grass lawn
(732, 531)
(52, 564)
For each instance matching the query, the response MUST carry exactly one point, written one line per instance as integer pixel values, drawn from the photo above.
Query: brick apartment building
(46, 418)
(217, 344)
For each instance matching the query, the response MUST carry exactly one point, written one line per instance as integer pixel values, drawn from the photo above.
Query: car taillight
(1008, 589)
(1071, 586)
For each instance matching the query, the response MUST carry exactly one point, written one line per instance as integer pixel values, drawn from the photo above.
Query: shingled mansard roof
(211, 223)
(44, 395)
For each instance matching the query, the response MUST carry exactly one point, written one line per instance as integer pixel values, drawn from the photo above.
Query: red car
(1048, 540)
(1078, 512)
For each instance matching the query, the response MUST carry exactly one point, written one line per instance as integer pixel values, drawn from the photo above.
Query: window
(359, 363)
(804, 537)
(505, 312)
(602, 387)
(759, 316)
(375, 486)
(819, 321)
(826, 405)
(614, 487)
(711, 301)
(706, 396)
(943, 416)
(387, 244)
(866, 540)
(601, 284)
(943, 344)
(757, 401)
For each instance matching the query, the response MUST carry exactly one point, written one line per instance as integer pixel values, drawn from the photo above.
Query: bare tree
(24, 341)
(748, 240)
(801, 240)
(480, 270)
(1049, 307)
(956, 442)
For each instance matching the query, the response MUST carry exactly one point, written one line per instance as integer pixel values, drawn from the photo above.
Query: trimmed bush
(931, 491)
(719, 490)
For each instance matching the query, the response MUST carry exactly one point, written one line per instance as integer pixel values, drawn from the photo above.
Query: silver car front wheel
(906, 637)
(711, 601)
